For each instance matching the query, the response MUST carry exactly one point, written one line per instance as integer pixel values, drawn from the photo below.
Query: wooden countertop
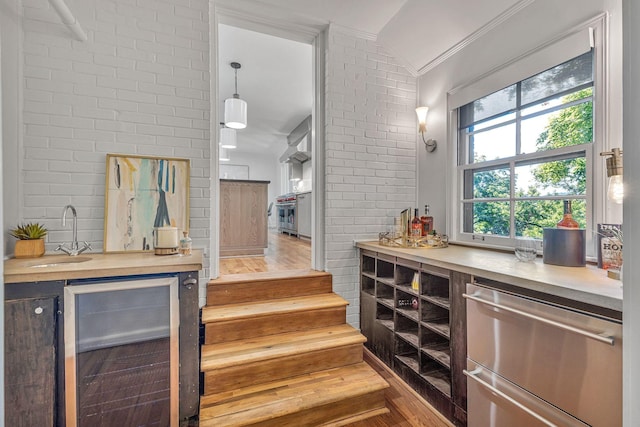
(589, 285)
(249, 181)
(59, 267)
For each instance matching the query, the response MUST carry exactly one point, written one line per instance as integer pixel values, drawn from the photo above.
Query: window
(524, 149)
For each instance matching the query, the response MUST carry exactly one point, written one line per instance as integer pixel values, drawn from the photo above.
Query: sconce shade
(228, 138)
(421, 112)
(224, 155)
(615, 193)
(235, 112)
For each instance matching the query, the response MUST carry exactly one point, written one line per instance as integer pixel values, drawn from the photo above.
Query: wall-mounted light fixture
(228, 137)
(224, 155)
(615, 192)
(430, 144)
(235, 109)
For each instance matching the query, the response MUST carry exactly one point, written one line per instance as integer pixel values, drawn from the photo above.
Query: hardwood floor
(407, 408)
(284, 253)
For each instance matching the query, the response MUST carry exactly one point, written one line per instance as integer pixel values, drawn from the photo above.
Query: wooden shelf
(441, 326)
(439, 379)
(441, 353)
(406, 287)
(410, 362)
(386, 323)
(439, 301)
(387, 302)
(386, 280)
(409, 337)
(410, 313)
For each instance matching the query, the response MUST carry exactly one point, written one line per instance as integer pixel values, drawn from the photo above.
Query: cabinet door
(30, 361)
(304, 214)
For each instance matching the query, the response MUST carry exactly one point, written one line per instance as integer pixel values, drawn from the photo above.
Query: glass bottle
(416, 226)
(427, 221)
(567, 220)
(185, 244)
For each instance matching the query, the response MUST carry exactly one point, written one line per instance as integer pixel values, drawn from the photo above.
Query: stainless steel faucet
(74, 249)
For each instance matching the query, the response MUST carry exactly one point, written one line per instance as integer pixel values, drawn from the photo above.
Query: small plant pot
(29, 248)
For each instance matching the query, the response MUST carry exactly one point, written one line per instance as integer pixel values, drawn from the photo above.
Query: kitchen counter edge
(100, 265)
(588, 285)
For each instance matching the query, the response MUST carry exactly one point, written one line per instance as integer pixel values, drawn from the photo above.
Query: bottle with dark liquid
(416, 226)
(427, 221)
(567, 220)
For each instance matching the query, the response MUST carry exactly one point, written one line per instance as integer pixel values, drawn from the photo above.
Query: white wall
(631, 316)
(370, 152)
(139, 85)
(538, 23)
(261, 168)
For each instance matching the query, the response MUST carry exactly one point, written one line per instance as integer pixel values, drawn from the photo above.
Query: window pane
(532, 216)
(560, 78)
(558, 177)
(488, 218)
(491, 183)
(492, 122)
(489, 106)
(494, 144)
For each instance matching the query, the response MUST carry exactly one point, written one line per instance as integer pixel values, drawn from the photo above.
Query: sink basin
(60, 261)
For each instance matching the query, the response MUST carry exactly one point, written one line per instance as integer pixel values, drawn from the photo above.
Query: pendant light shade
(228, 138)
(224, 155)
(235, 109)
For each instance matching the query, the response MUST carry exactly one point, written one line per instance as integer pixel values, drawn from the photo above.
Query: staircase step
(263, 359)
(241, 321)
(239, 288)
(330, 397)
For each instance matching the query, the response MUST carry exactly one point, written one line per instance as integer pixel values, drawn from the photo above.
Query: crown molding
(504, 16)
(353, 32)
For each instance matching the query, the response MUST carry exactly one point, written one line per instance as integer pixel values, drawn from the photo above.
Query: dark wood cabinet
(413, 317)
(32, 345)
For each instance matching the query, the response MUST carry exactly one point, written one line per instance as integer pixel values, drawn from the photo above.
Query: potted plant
(30, 242)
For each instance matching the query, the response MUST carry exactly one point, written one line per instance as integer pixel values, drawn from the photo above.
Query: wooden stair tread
(285, 397)
(266, 308)
(266, 276)
(216, 356)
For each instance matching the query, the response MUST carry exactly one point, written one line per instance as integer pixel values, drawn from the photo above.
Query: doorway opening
(278, 81)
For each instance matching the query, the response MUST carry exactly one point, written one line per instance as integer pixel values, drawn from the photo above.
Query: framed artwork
(142, 193)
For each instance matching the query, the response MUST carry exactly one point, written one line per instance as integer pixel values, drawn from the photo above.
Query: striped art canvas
(143, 193)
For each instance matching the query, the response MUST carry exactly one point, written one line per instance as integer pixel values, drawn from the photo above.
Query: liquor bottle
(427, 221)
(185, 244)
(416, 226)
(567, 220)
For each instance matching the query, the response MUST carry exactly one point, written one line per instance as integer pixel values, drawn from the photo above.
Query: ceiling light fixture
(615, 193)
(224, 155)
(421, 112)
(228, 137)
(235, 109)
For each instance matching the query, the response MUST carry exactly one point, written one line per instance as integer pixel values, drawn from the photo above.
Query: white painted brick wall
(370, 153)
(139, 85)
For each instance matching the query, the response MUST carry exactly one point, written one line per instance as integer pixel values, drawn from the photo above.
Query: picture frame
(141, 193)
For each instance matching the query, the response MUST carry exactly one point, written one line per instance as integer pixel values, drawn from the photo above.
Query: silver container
(564, 246)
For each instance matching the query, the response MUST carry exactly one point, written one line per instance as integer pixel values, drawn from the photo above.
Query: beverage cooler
(121, 352)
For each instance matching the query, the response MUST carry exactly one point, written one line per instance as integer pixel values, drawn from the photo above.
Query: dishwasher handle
(598, 337)
(474, 376)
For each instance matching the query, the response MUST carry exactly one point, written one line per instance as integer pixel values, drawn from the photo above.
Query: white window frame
(519, 69)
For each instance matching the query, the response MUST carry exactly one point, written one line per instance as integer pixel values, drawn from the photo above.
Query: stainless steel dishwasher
(533, 363)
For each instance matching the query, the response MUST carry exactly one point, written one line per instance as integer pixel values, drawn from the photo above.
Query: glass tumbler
(526, 249)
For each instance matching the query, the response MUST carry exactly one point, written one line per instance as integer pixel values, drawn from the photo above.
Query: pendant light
(228, 137)
(235, 109)
(224, 155)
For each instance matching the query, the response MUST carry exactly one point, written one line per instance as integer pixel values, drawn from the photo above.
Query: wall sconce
(615, 192)
(421, 112)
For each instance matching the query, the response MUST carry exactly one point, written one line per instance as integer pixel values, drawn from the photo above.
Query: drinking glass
(526, 249)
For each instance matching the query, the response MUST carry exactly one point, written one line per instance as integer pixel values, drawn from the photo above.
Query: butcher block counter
(91, 265)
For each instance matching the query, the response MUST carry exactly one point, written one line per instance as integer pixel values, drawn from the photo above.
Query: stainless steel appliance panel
(570, 359)
(496, 402)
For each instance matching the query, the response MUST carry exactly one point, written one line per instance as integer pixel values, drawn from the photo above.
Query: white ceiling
(276, 74)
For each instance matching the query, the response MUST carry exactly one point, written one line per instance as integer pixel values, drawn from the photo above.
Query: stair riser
(233, 330)
(283, 367)
(321, 415)
(261, 290)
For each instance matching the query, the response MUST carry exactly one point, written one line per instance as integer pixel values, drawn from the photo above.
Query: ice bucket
(564, 246)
